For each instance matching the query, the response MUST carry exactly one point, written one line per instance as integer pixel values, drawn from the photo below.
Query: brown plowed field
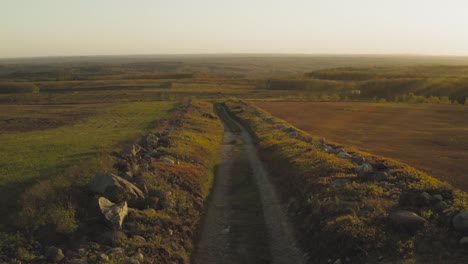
(432, 138)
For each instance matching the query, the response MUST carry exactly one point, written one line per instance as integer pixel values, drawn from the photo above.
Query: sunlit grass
(26, 156)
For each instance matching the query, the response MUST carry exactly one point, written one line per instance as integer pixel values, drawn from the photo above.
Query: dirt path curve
(216, 238)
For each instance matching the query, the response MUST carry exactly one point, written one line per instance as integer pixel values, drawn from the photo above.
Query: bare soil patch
(432, 138)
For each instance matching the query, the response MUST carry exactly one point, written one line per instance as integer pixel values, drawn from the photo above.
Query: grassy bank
(51, 168)
(339, 215)
(71, 152)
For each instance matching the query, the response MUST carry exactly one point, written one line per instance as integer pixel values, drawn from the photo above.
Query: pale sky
(118, 27)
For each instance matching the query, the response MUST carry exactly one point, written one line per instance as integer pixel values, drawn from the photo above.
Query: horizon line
(236, 54)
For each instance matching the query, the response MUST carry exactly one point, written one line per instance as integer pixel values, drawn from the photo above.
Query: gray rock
(460, 222)
(366, 167)
(440, 206)
(103, 257)
(54, 254)
(328, 149)
(293, 134)
(338, 261)
(464, 242)
(115, 251)
(426, 196)
(167, 160)
(116, 189)
(164, 142)
(112, 238)
(438, 197)
(423, 200)
(322, 141)
(344, 155)
(373, 176)
(138, 256)
(406, 221)
(113, 213)
(340, 182)
(358, 159)
(151, 141)
(139, 239)
(132, 261)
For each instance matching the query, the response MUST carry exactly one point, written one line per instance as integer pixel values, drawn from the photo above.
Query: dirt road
(245, 221)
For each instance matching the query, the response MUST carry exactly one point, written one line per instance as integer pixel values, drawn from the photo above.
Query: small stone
(112, 238)
(171, 232)
(226, 230)
(103, 257)
(438, 197)
(54, 254)
(440, 206)
(460, 221)
(464, 241)
(344, 155)
(167, 160)
(138, 256)
(139, 239)
(358, 159)
(132, 261)
(366, 167)
(115, 251)
(340, 182)
(338, 261)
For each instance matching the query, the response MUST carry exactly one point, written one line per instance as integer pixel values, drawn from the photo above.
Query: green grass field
(77, 146)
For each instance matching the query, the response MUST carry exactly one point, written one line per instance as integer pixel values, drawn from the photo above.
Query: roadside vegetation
(339, 212)
(48, 170)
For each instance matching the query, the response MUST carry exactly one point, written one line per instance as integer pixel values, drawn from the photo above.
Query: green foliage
(15, 247)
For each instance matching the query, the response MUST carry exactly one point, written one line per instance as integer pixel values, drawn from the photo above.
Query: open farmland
(433, 138)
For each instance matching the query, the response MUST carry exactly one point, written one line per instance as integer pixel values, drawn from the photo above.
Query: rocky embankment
(354, 207)
(147, 209)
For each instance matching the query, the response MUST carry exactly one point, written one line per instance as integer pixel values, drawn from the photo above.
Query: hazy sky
(92, 27)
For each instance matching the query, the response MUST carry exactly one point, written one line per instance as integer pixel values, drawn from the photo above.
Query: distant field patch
(433, 138)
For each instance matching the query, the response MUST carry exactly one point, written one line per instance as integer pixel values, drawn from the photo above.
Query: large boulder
(116, 189)
(113, 213)
(406, 221)
(460, 222)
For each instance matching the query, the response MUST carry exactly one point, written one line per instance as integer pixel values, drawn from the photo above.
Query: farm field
(432, 138)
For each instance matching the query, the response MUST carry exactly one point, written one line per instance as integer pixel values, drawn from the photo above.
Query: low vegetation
(412, 84)
(340, 214)
(56, 210)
